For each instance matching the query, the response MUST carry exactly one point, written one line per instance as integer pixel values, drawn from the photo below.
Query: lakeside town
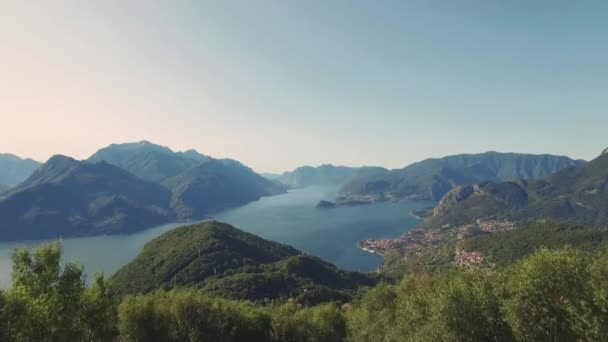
(417, 238)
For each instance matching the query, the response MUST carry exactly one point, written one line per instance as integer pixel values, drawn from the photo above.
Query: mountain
(14, 170)
(215, 185)
(325, 175)
(430, 179)
(65, 197)
(199, 184)
(578, 195)
(271, 176)
(226, 261)
(148, 161)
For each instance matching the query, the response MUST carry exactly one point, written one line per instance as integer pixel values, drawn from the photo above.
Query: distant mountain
(325, 175)
(271, 176)
(148, 161)
(577, 195)
(215, 185)
(65, 197)
(228, 262)
(430, 179)
(200, 184)
(14, 170)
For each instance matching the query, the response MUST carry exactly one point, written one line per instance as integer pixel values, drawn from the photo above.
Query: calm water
(291, 218)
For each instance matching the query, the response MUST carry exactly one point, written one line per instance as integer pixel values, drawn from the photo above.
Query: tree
(51, 303)
(372, 318)
(548, 297)
(321, 323)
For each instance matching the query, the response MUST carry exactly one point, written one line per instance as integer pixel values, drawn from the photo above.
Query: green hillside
(226, 261)
(577, 195)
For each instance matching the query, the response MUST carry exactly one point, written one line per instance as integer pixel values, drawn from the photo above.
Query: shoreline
(369, 250)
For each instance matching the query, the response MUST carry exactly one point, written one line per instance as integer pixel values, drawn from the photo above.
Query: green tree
(548, 297)
(372, 318)
(189, 315)
(321, 323)
(51, 303)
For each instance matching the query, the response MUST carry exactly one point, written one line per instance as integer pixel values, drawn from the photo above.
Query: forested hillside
(555, 295)
(577, 195)
(225, 261)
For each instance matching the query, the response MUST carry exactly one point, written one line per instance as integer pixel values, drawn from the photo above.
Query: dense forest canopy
(553, 294)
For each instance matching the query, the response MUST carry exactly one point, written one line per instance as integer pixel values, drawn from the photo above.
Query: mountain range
(430, 179)
(123, 188)
(66, 197)
(225, 261)
(148, 161)
(199, 184)
(14, 170)
(576, 194)
(326, 174)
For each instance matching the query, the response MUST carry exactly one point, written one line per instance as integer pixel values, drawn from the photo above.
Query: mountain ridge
(14, 170)
(576, 195)
(66, 197)
(432, 178)
(325, 174)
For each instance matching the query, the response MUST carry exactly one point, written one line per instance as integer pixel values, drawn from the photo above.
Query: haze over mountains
(326, 174)
(148, 161)
(199, 184)
(14, 170)
(66, 197)
(430, 179)
(577, 195)
(125, 188)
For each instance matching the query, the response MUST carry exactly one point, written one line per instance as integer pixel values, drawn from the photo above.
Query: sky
(280, 84)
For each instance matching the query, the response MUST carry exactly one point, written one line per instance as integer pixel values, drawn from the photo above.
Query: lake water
(292, 218)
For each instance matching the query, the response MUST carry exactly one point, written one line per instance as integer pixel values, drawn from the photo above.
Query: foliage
(190, 316)
(504, 248)
(550, 295)
(228, 262)
(49, 302)
(321, 323)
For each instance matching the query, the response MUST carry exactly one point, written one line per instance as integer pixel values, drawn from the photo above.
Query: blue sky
(279, 84)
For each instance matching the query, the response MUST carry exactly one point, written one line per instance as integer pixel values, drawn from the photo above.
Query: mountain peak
(60, 158)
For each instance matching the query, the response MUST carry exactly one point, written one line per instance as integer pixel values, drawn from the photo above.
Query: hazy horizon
(281, 84)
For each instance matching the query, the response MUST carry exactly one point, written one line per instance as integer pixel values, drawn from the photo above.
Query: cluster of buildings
(412, 240)
(418, 238)
(493, 226)
(378, 246)
(467, 259)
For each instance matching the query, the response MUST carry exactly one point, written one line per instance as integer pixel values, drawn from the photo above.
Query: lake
(292, 218)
